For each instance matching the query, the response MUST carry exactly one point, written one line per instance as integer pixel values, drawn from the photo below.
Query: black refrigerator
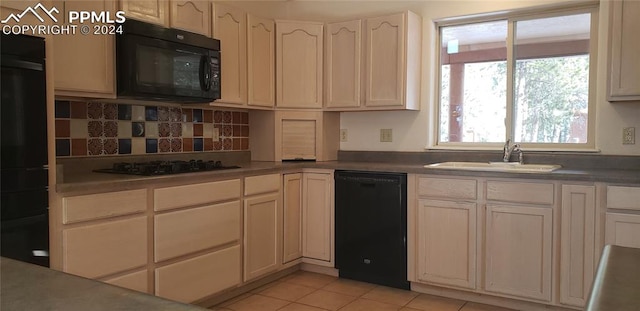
(23, 169)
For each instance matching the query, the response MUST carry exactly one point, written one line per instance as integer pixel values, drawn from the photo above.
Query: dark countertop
(87, 181)
(29, 287)
(617, 282)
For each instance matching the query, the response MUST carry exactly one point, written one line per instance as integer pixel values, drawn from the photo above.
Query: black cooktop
(164, 167)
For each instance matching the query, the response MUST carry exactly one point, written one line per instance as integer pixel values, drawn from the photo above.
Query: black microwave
(161, 64)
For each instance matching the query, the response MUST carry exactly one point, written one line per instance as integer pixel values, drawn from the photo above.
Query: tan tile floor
(306, 291)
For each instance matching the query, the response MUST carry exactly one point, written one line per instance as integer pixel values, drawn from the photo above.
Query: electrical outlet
(386, 135)
(343, 135)
(629, 136)
(216, 134)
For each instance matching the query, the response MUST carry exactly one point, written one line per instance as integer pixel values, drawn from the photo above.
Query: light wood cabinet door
(577, 244)
(518, 251)
(261, 51)
(101, 249)
(447, 243)
(150, 11)
(317, 216)
(622, 229)
(84, 65)
(196, 229)
(262, 235)
(385, 60)
(292, 246)
(199, 277)
(343, 64)
(230, 27)
(624, 81)
(191, 15)
(138, 281)
(299, 64)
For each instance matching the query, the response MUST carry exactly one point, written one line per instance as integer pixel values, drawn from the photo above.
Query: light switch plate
(386, 135)
(343, 135)
(629, 136)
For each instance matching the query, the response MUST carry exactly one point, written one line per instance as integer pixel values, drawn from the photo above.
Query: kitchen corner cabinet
(343, 64)
(192, 15)
(577, 243)
(230, 27)
(624, 64)
(446, 231)
(262, 226)
(292, 200)
(393, 47)
(622, 225)
(261, 58)
(150, 11)
(299, 50)
(318, 218)
(84, 65)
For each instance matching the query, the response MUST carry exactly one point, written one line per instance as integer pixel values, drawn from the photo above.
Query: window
(525, 78)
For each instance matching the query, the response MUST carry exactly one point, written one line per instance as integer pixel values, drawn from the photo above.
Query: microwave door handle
(205, 73)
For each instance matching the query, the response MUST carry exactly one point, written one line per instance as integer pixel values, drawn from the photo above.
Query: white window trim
(511, 17)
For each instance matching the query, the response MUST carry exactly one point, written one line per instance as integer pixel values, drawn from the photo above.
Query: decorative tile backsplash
(99, 129)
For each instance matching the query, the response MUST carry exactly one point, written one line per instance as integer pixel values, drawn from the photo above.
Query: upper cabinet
(230, 27)
(343, 64)
(299, 47)
(155, 12)
(261, 62)
(624, 81)
(193, 16)
(84, 65)
(392, 63)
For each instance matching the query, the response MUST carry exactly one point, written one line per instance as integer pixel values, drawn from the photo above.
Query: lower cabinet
(519, 251)
(136, 281)
(446, 237)
(262, 235)
(317, 217)
(622, 229)
(199, 277)
(101, 249)
(292, 225)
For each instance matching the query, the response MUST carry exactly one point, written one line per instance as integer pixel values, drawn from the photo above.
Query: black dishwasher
(371, 227)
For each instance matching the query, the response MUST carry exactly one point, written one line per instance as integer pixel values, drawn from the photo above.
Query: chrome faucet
(508, 149)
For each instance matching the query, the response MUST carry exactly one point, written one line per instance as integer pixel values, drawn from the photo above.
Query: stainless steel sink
(513, 167)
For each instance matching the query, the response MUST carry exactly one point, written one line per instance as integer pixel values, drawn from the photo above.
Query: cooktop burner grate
(164, 167)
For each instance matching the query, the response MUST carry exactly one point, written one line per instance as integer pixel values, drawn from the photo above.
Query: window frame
(511, 17)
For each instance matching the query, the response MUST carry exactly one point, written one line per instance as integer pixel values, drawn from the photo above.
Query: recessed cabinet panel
(624, 81)
(198, 277)
(262, 235)
(151, 11)
(136, 281)
(230, 27)
(622, 230)
(106, 248)
(193, 16)
(103, 205)
(385, 60)
(447, 243)
(292, 246)
(518, 251)
(299, 48)
(187, 231)
(261, 66)
(317, 234)
(342, 65)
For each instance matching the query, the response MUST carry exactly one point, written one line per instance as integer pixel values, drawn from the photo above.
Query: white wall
(412, 131)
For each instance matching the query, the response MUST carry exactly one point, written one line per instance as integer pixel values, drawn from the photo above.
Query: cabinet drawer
(199, 277)
(622, 230)
(102, 249)
(623, 197)
(189, 195)
(103, 205)
(135, 281)
(183, 232)
(261, 184)
(447, 188)
(520, 192)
